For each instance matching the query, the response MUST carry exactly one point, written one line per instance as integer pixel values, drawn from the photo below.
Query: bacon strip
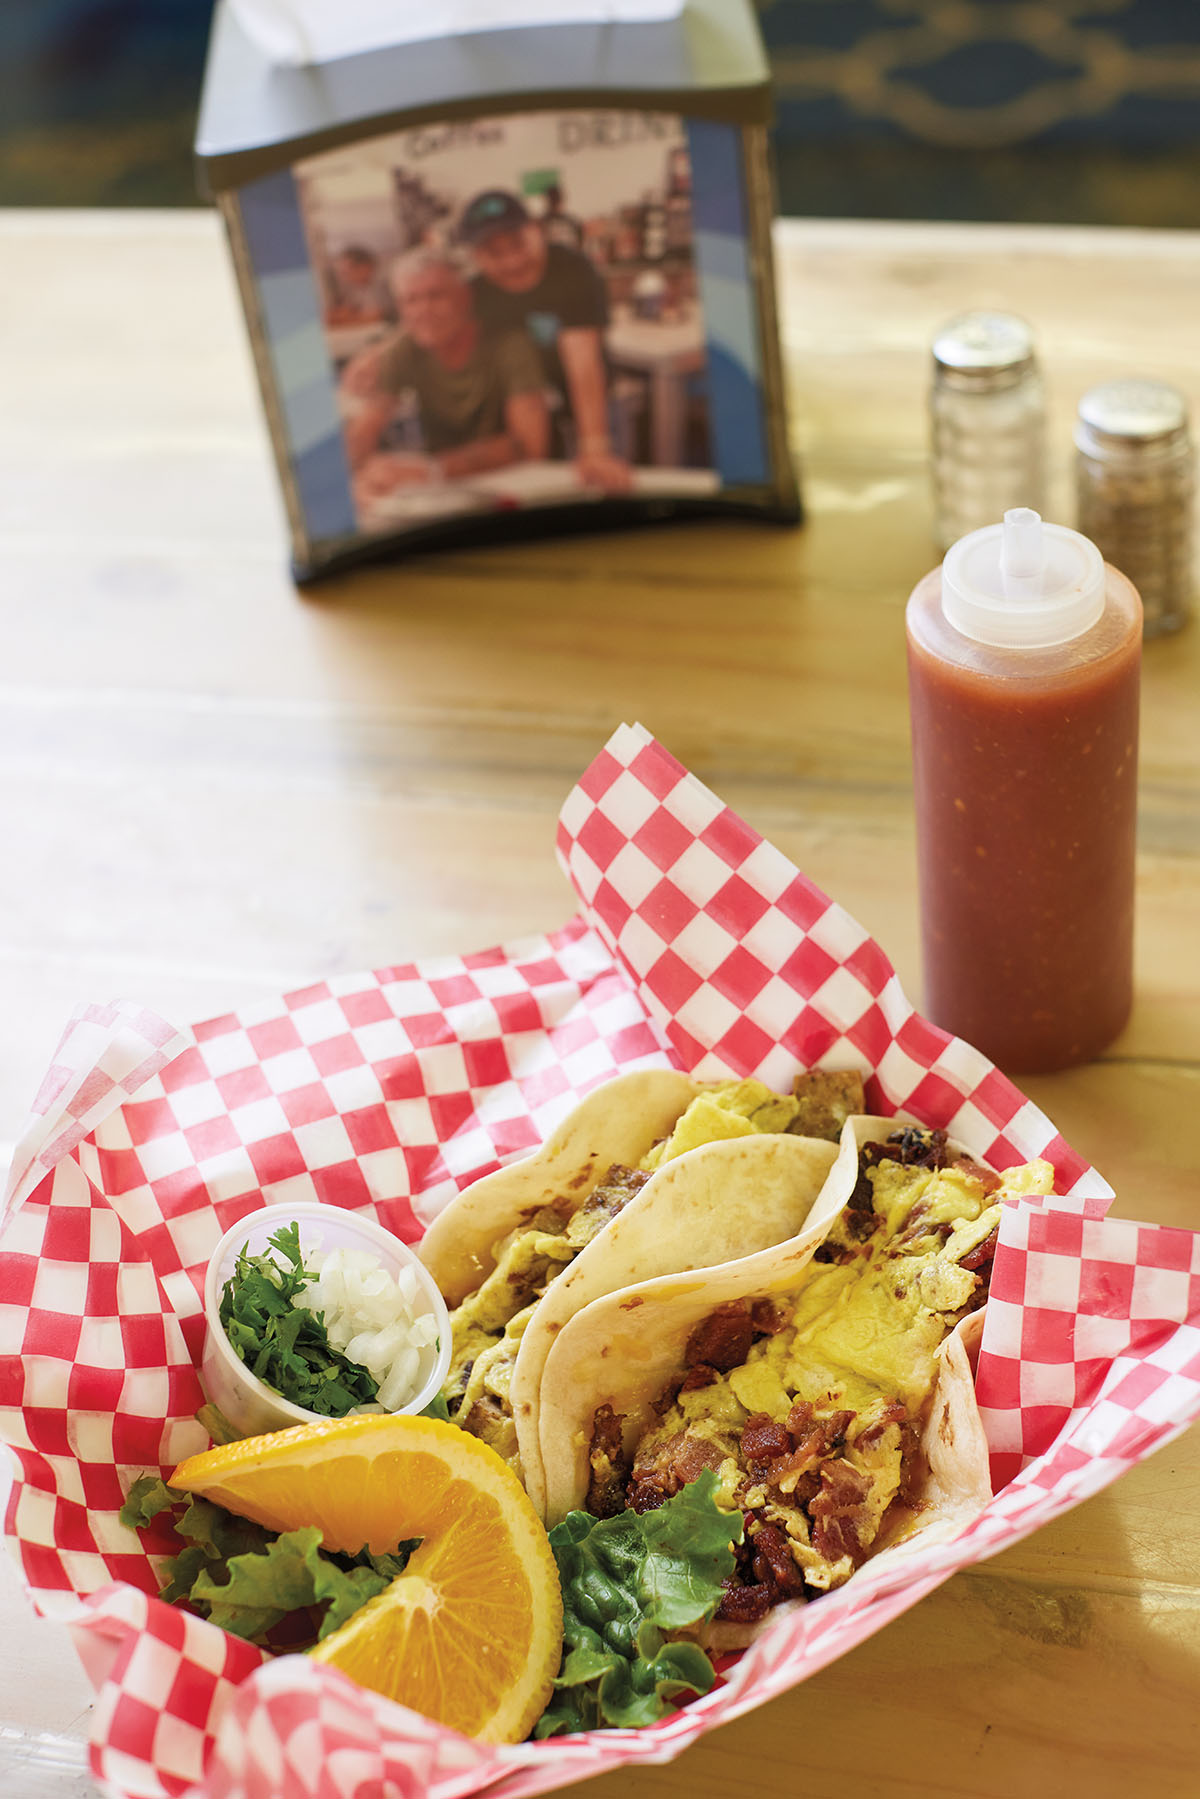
(608, 1465)
(983, 1253)
(911, 1146)
(774, 1563)
(742, 1604)
(723, 1339)
(674, 1463)
(836, 1512)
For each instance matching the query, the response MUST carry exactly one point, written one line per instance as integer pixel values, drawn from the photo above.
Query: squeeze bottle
(1024, 658)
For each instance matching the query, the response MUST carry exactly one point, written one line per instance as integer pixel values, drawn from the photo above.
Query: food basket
(696, 944)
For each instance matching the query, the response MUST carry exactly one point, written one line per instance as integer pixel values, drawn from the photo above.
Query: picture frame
(519, 279)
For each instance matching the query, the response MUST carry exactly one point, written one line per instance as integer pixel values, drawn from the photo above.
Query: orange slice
(471, 1633)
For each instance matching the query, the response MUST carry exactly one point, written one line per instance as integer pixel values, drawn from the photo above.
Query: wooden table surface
(215, 788)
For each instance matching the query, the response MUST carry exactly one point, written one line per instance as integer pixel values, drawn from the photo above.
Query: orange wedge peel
(470, 1634)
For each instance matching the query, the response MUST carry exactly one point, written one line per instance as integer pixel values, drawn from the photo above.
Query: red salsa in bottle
(1025, 782)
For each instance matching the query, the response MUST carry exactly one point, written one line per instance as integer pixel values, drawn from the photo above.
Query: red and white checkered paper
(697, 944)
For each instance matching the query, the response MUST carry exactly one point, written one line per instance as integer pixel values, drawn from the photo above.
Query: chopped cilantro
(284, 1344)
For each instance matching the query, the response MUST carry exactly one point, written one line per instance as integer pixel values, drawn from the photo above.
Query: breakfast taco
(652, 1173)
(827, 1386)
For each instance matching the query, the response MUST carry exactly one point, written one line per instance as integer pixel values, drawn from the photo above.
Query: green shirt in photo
(463, 405)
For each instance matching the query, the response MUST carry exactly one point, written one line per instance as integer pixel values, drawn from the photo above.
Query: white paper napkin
(314, 31)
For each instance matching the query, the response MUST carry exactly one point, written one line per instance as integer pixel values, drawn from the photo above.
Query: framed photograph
(461, 321)
(512, 313)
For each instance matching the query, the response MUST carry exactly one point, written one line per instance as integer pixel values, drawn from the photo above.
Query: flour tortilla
(622, 1351)
(741, 1193)
(609, 1354)
(705, 1207)
(618, 1122)
(956, 1488)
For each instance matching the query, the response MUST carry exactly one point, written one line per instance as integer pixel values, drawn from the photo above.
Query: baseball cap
(493, 210)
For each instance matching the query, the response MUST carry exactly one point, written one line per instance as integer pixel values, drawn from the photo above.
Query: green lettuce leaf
(689, 1554)
(625, 1581)
(394, 1562)
(147, 1497)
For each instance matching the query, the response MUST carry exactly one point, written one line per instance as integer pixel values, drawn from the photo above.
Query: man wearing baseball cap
(556, 295)
(480, 400)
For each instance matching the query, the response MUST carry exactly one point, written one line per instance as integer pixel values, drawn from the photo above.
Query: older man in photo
(479, 393)
(556, 295)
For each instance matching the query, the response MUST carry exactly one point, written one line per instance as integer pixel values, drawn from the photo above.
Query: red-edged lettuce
(248, 1579)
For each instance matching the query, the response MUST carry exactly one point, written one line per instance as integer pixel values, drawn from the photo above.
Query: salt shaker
(1134, 487)
(987, 418)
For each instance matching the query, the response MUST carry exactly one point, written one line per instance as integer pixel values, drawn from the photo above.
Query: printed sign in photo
(512, 313)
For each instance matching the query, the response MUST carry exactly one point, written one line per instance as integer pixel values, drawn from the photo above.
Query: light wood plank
(991, 1686)
(212, 788)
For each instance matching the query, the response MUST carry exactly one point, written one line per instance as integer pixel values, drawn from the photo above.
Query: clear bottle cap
(1023, 584)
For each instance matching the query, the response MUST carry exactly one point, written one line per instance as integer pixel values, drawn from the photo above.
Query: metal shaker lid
(1131, 412)
(983, 350)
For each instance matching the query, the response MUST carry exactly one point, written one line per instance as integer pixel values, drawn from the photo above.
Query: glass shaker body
(1135, 492)
(1025, 784)
(987, 423)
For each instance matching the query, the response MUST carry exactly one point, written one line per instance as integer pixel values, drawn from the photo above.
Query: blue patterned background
(988, 74)
(1068, 109)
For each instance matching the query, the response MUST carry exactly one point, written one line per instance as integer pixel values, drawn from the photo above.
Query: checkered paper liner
(697, 944)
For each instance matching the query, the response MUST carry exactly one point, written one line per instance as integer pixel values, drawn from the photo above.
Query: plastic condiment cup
(252, 1407)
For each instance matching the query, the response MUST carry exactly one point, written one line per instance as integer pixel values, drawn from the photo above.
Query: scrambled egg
(732, 1109)
(860, 1335)
(488, 1325)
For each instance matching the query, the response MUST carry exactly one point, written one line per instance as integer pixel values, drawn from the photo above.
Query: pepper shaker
(1134, 487)
(987, 419)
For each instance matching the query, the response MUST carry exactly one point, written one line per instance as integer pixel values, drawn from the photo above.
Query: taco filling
(809, 1406)
(489, 1324)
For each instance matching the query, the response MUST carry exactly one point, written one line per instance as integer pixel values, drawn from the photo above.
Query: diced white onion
(371, 1317)
(399, 1383)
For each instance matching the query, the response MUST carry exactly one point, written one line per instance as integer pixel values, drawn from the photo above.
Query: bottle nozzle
(1023, 556)
(1023, 583)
